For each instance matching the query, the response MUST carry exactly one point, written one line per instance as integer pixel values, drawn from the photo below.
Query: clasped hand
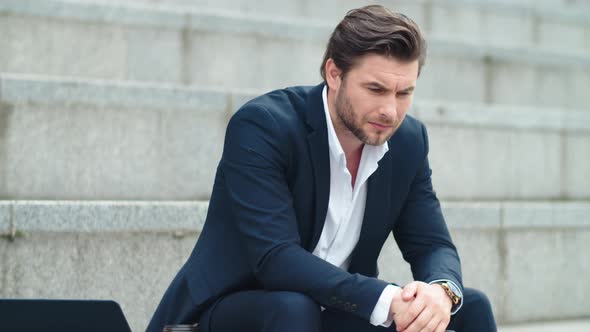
(420, 307)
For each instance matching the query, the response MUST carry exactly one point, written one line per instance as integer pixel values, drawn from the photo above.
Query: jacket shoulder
(284, 105)
(410, 139)
(411, 131)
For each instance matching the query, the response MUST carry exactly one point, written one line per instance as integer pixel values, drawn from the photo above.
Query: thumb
(409, 291)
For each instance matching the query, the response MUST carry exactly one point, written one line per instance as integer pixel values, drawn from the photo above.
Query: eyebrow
(381, 86)
(408, 89)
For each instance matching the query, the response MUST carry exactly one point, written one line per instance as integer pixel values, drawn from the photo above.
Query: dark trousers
(273, 311)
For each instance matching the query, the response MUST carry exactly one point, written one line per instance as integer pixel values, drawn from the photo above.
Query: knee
(296, 306)
(477, 300)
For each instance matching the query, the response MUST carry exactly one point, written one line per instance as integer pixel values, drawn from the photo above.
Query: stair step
(230, 50)
(130, 251)
(122, 140)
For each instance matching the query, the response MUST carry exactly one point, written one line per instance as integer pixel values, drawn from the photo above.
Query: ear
(333, 77)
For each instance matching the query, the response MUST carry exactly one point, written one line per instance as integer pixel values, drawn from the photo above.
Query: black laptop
(61, 316)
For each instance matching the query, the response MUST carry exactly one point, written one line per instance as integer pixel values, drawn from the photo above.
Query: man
(311, 182)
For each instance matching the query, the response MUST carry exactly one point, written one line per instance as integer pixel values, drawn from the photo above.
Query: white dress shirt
(346, 209)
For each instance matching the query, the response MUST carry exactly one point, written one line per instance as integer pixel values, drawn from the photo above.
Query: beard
(347, 115)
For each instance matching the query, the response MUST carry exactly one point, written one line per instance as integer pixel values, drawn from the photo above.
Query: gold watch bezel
(454, 298)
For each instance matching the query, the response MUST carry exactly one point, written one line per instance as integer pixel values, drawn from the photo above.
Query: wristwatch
(452, 292)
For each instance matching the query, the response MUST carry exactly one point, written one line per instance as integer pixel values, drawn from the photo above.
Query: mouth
(380, 126)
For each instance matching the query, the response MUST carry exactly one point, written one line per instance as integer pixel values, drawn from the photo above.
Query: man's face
(374, 97)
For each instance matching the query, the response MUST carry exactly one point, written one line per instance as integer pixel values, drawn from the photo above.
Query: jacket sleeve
(421, 231)
(254, 164)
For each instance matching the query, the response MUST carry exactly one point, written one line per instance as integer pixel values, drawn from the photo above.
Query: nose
(389, 110)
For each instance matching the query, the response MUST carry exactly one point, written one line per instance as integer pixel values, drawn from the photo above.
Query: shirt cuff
(457, 306)
(380, 315)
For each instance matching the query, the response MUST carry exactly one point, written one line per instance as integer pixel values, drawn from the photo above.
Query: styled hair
(374, 29)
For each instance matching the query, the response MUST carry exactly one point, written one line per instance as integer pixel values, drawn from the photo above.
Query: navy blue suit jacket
(269, 204)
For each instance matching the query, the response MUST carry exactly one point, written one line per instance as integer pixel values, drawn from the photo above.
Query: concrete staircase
(112, 120)
(469, 60)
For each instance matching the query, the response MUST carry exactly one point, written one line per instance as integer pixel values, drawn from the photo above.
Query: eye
(376, 90)
(404, 93)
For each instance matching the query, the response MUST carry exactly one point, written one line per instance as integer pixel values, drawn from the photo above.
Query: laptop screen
(61, 315)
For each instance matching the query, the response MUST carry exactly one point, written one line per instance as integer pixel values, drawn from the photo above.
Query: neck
(353, 148)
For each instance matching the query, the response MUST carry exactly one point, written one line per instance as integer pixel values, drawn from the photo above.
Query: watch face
(454, 289)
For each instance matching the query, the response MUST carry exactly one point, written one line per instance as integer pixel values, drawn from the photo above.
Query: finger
(405, 318)
(398, 305)
(432, 325)
(409, 291)
(421, 322)
(442, 327)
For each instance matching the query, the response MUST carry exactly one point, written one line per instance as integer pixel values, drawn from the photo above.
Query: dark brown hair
(374, 29)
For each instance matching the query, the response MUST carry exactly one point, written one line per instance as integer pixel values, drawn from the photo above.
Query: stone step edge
(223, 21)
(106, 11)
(22, 88)
(574, 13)
(189, 216)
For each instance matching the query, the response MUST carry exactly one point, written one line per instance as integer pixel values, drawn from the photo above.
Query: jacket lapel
(377, 209)
(317, 140)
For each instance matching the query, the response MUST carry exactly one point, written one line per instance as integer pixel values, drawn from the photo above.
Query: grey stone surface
(102, 140)
(6, 110)
(249, 61)
(68, 48)
(482, 263)
(497, 25)
(452, 77)
(111, 149)
(553, 10)
(506, 77)
(562, 35)
(5, 217)
(95, 11)
(500, 116)
(133, 269)
(451, 22)
(552, 86)
(130, 251)
(155, 55)
(494, 163)
(482, 25)
(579, 87)
(235, 23)
(566, 215)
(129, 216)
(235, 50)
(36, 89)
(472, 215)
(84, 216)
(558, 326)
(577, 166)
(105, 153)
(547, 274)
